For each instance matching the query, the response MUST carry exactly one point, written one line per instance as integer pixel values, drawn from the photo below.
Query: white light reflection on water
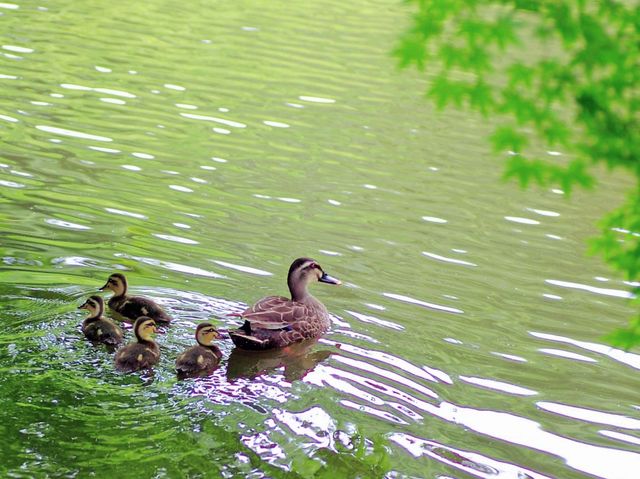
(176, 239)
(17, 49)
(104, 150)
(314, 423)
(567, 354)
(499, 386)
(66, 224)
(116, 211)
(601, 461)
(618, 293)
(172, 266)
(524, 221)
(434, 219)
(222, 121)
(183, 189)
(143, 156)
(389, 359)
(315, 99)
(11, 184)
(424, 304)
(470, 462)
(276, 124)
(106, 91)
(244, 269)
(447, 259)
(621, 437)
(114, 101)
(629, 359)
(373, 320)
(590, 415)
(76, 134)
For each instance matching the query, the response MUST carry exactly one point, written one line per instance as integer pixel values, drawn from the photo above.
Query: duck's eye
(313, 265)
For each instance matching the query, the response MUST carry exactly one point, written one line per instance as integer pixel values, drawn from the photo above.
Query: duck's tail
(248, 342)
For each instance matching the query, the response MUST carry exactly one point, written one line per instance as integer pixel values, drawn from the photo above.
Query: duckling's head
(304, 271)
(95, 306)
(206, 333)
(116, 283)
(144, 328)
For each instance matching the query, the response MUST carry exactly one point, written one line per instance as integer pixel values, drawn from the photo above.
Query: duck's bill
(104, 287)
(329, 279)
(83, 306)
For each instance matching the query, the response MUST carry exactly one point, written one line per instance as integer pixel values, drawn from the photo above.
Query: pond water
(200, 147)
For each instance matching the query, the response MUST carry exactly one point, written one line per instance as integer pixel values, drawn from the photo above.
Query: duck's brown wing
(133, 307)
(275, 312)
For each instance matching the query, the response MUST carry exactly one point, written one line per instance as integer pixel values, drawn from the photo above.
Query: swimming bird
(143, 353)
(201, 359)
(96, 327)
(276, 322)
(132, 307)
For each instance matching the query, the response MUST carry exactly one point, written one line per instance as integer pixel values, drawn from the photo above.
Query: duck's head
(304, 271)
(116, 283)
(95, 306)
(144, 328)
(206, 333)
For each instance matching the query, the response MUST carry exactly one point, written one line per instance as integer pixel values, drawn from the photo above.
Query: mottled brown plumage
(96, 327)
(143, 353)
(132, 307)
(276, 322)
(201, 359)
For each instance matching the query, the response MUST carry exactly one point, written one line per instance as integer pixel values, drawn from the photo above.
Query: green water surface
(200, 147)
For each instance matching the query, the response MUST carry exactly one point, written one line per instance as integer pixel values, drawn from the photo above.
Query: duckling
(276, 322)
(142, 354)
(132, 307)
(98, 328)
(200, 360)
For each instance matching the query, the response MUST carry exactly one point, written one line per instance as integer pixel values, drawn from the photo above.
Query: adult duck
(132, 307)
(276, 322)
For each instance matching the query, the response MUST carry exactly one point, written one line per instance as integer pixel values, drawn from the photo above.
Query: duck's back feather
(276, 322)
(275, 312)
(136, 356)
(102, 331)
(198, 359)
(133, 307)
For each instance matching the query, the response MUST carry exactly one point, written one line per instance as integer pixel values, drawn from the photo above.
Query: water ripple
(499, 386)
(244, 269)
(592, 289)
(76, 134)
(424, 304)
(589, 415)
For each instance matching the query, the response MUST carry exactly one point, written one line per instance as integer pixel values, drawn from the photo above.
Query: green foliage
(561, 74)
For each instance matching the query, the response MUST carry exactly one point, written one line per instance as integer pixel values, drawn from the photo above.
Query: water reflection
(296, 361)
(383, 199)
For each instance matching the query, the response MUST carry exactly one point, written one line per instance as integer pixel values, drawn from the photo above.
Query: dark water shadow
(297, 360)
(203, 373)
